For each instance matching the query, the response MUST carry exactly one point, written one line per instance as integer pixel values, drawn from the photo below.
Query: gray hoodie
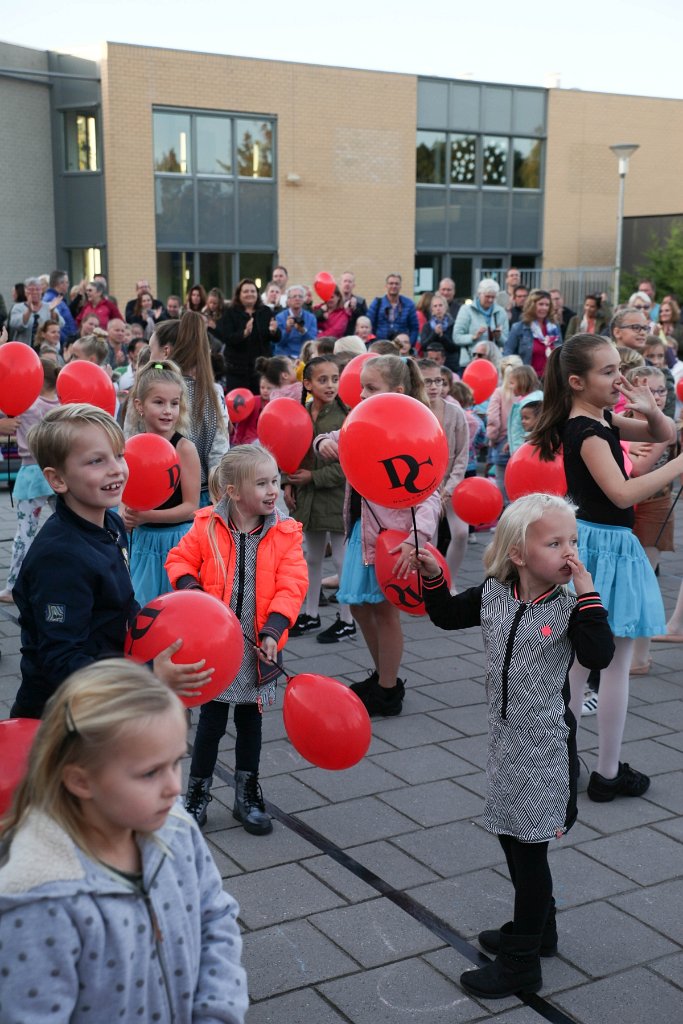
(80, 943)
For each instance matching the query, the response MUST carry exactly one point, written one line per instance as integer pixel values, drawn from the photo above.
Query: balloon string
(417, 548)
(271, 661)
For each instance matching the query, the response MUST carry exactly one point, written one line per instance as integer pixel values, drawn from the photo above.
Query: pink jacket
(458, 436)
(497, 414)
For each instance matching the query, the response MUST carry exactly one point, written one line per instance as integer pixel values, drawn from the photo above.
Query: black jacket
(75, 601)
(241, 353)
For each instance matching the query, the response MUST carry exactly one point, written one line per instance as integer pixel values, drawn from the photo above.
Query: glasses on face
(641, 307)
(658, 392)
(432, 382)
(638, 328)
(478, 355)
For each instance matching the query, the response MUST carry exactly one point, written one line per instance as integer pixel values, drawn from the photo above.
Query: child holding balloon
(247, 554)
(380, 622)
(105, 881)
(31, 490)
(159, 398)
(533, 628)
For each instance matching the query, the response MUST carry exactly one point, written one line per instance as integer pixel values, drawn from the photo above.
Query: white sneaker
(6, 597)
(590, 702)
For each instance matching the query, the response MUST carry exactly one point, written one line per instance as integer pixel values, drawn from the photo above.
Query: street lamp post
(623, 151)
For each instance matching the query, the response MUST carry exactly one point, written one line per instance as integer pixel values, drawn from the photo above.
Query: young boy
(74, 592)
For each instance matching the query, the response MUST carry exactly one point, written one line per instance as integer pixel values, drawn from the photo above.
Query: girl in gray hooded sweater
(111, 907)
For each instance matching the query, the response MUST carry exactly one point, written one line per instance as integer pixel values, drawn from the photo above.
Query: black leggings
(530, 874)
(213, 721)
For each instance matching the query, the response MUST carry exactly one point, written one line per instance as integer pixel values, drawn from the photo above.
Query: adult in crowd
(519, 297)
(196, 298)
(58, 287)
(142, 286)
(272, 296)
(506, 295)
(116, 339)
(296, 324)
(535, 336)
(97, 303)
(393, 313)
(481, 320)
(333, 317)
(88, 325)
(563, 314)
(26, 317)
(668, 325)
(213, 310)
(355, 304)
(145, 314)
(591, 321)
(646, 286)
(642, 302)
(186, 342)
(247, 329)
(439, 328)
(174, 308)
(423, 306)
(447, 289)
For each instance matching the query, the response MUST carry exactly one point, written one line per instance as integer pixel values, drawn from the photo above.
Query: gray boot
(198, 798)
(249, 806)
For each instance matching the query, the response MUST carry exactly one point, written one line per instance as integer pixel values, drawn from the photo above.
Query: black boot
(490, 940)
(517, 968)
(249, 806)
(198, 798)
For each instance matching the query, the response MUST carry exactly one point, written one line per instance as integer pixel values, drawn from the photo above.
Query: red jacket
(281, 572)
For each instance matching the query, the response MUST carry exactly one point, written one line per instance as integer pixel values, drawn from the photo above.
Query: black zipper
(508, 656)
(241, 557)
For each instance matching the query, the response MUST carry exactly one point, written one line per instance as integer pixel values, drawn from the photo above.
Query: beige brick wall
(349, 135)
(582, 181)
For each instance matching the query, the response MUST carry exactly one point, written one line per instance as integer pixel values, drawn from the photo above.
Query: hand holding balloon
(268, 650)
(405, 563)
(427, 565)
(183, 679)
(328, 449)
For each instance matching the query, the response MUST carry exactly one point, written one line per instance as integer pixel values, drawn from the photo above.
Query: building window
(254, 149)
(80, 141)
(494, 161)
(463, 159)
(526, 159)
(431, 158)
(84, 263)
(172, 143)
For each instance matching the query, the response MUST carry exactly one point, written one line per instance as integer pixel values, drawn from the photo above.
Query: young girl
(497, 413)
(454, 425)
(280, 372)
(582, 383)
(105, 881)
(533, 627)
(246, 431)
(380, 621)
(160, 401)
(314, 494)
(31, 489)
(523, 381)
(246, 554)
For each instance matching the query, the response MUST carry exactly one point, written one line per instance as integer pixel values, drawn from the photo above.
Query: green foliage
(664, 264)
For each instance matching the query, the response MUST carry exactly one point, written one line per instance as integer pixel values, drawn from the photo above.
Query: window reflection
(494, 160)
(431, 158)
(526, 156)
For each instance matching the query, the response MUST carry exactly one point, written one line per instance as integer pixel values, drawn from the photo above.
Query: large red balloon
(405, 594)
(349, 382)
(325, 721)
(240, 404)
(81, 381)
(526, 474)
(324, 284)
(477, 501)
(393, 450)
(482, 377)
(286, 430)
(208, 628)
(21, 377)
(16, 737)
(153, 471)
(679, 389)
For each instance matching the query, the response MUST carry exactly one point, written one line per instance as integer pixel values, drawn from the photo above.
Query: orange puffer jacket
(281, 573)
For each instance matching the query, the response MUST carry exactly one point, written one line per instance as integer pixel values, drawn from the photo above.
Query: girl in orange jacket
(244, 552)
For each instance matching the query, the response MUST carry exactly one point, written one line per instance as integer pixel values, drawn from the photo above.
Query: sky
(593, 45)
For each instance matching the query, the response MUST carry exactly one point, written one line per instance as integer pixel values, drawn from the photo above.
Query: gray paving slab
(620, 815)
(670, 967)
(652, 757)
(658, 906)
(631, 997)
(364, 779)
(254, 853)
(667, 792)
(359, 821)
(469, 903)
(291, 956)
(384, 859)
(376, 932)
(452, 849)
(434, 803)
(431, 763)
(646, 858)
(600, 939)
(579, 879)
(292, 894)
(557, 975)
(412, 731)
(339, 879)
(303, 1007)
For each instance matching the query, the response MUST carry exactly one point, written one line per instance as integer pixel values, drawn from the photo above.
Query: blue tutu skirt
(624, 579)
(30, 483)
(358, 583)
(205, 498)
(149, 548)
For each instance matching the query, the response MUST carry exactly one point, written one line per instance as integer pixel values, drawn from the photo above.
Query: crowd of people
(570, 597)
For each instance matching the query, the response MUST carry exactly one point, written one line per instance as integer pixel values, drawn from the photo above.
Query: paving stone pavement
(364, 903)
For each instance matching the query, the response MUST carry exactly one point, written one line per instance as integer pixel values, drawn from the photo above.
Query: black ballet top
(593, 504)
(177, 496)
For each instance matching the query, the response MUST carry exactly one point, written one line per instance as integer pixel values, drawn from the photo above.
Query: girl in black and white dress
(533, 628)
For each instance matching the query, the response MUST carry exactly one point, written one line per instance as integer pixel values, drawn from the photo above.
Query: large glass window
(494, 160)
(214, 145)
(80, 141)
(526, 159)
(431, 158)
(84, 263)
(254, 149)
(463, 159)
(172, 154)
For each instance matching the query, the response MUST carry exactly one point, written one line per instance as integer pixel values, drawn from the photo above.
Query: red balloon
(286, 430)
(405, 594)
(21, 377)
(153, 471)
(482, 377)
(679, 389)
(81, 381)
(240, 404)
(477, 501)
(349, 382)
(325, 721)
(324, 284)
(16, 737)
(393, 450)
(526, 474)
(209, 629)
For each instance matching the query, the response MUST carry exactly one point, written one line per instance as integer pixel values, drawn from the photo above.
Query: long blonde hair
(158, 372)
(82, 722)
(511, 532)
(399, 371)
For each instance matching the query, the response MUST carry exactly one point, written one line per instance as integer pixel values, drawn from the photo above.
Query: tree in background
(664, 264)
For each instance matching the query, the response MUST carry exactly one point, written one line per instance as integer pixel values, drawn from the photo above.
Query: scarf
(486, 313)
(444, 323)
(552, 333)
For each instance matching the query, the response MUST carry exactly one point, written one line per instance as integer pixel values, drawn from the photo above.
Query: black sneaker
(385, 702)
(628, 782)
(338, 631)
(365, 685)
(305, 624)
